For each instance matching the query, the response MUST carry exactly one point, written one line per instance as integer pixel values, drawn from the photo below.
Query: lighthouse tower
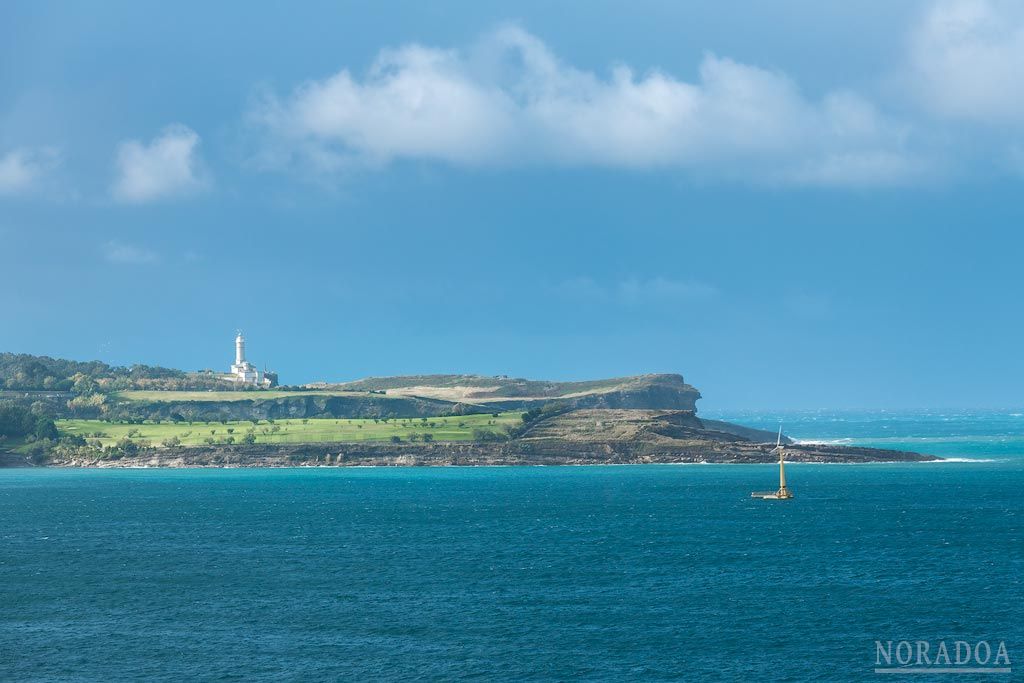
(239, 349)
(243, 371)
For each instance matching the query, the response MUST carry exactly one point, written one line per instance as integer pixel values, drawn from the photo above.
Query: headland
(71, 414)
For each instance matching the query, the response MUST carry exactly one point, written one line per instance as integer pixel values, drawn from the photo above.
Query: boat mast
(782, 466)
(782, 473)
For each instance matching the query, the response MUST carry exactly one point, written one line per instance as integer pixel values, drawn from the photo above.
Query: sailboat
(783, 493)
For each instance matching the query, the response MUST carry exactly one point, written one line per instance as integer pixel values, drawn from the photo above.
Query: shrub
(488, 435)
(45, 429)
(127, 447)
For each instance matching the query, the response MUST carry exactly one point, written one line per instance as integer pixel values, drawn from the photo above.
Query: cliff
(303, 405)
(657, 391)
(408, 396)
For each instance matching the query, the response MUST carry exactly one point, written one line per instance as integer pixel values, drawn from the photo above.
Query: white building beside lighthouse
(242, 371)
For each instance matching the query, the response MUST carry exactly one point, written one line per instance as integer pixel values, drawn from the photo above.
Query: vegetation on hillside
(115, 440)
(17, 422)
(214, 395)
(22, 429)
(110, 411)
(25, 372)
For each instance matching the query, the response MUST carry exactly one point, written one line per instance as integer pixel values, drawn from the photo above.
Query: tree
(83, 384)
(127, 447)
(16, 421)
(488, 435)
(72, 440)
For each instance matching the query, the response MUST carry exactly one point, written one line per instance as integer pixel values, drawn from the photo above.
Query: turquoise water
(604, 573)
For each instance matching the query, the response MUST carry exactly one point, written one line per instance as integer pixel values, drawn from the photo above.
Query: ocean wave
(823, 442)
(969, 460)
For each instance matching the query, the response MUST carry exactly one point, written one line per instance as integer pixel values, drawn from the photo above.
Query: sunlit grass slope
(313, 430)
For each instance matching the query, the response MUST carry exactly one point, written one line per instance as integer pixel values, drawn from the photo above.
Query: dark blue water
(605, 573)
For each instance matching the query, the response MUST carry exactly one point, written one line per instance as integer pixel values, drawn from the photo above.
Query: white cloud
(634, 291)
(168, 166)
(118, 252)
(966, 60)
(22, 169)
(510, 100)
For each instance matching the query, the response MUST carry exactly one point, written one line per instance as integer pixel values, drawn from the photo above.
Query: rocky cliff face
(648, 392)
(300, 406)
(651, 392)
(655, 392)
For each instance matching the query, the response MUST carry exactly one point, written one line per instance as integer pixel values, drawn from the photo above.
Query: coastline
(526, 452)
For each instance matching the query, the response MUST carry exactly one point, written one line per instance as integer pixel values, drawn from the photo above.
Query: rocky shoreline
(592, 436)
(476, 454)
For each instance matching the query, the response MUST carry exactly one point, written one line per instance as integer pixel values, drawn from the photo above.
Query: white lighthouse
(239, 349)
(243, 371)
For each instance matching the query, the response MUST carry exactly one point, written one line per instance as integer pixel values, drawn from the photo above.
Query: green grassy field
(261, 395)
(314, 430)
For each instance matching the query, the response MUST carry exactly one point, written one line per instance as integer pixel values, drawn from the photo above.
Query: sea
(603, 573)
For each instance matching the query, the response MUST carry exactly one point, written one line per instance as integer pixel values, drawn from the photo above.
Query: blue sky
(793, 204)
